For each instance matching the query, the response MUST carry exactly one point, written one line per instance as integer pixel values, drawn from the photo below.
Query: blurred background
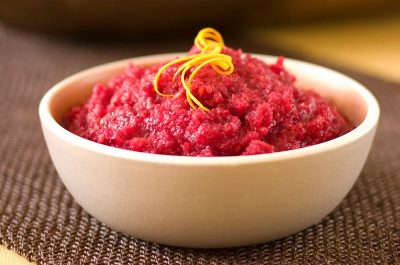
(359, 34)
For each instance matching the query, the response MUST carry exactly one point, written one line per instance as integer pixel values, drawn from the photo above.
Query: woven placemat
(41, 221)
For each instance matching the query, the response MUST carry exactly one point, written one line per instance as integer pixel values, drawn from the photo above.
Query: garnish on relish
(210, 43)
(216, 101)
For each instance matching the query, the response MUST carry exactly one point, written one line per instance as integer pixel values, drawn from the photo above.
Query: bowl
(210, 202)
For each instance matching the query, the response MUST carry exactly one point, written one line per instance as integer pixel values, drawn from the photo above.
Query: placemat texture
(41, 221)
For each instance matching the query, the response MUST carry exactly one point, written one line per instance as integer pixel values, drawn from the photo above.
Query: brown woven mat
(40, 220)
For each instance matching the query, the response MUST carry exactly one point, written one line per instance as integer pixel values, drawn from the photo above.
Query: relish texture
(256, 109)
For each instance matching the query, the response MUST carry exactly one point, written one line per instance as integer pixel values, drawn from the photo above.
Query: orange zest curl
(210, 43)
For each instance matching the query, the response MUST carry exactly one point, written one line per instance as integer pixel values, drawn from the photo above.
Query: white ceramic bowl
(210, 201)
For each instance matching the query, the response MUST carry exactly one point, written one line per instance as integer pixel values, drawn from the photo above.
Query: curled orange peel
(210, 44)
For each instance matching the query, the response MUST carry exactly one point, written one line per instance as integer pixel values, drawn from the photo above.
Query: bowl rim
(48, 121)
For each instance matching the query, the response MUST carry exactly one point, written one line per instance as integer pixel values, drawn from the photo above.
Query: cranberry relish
(255, 110)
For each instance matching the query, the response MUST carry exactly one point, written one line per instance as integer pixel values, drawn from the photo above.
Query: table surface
(370, 46)
(381, 59)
